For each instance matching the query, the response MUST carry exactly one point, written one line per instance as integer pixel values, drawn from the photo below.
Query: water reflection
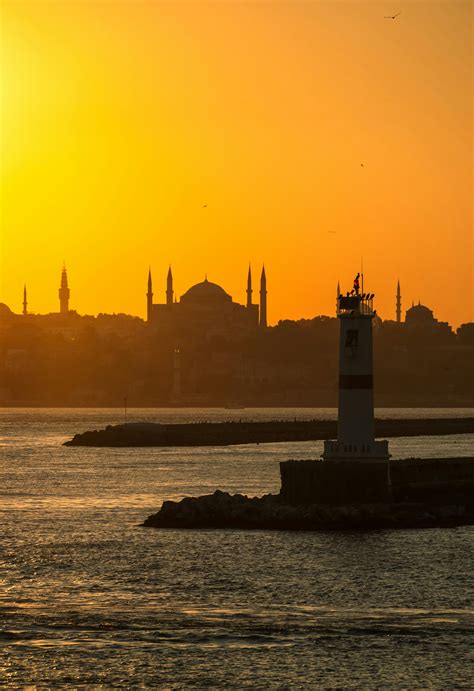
(89, 598)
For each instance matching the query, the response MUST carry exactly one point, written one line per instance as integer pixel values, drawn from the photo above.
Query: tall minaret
(399, 303)
(249, 288)
(149, 297)
(169, 288)
(25, 301)
(263, 299)
(64, 293)
(338, 294)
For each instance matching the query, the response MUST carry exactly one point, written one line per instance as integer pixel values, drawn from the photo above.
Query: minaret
(169, 288)
(263, 299)
(64, 293)
(25, 301)
(363, 473)
(249, 288)
(338, 293)
(149, 298)
(399, 303)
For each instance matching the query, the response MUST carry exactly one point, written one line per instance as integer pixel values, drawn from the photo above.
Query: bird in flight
(361, 165)
(204, 206)
(332, 231)
(392, 16)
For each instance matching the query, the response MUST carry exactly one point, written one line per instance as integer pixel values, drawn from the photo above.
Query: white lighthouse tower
(364, 462)
(176, 390)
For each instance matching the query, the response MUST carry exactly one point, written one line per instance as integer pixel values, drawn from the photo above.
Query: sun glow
(314, 132)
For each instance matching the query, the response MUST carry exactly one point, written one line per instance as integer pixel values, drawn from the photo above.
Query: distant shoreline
(275, 406)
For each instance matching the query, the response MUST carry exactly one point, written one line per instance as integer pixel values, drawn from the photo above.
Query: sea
(89, 598)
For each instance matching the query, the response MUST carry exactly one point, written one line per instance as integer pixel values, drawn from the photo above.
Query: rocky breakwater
(135, 434)
(223, 510)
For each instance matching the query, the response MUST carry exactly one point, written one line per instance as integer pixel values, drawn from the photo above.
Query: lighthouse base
(359, 452)
(344, 481)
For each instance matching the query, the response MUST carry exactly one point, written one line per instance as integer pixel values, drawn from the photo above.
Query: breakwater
(224, 511)
(425, 493)
(226, 433)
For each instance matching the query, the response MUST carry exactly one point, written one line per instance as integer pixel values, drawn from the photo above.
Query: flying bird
(204, 206)
(361, 165)
(392, 16)
(332, 231)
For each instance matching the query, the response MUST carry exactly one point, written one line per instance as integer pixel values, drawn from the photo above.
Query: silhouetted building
(419, 314)
(466, 334)
(421, 317)
(6, 315)
(205, 309)
(64, 293)
(25, 301)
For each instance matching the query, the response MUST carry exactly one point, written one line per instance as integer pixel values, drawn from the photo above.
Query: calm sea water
(89, 598)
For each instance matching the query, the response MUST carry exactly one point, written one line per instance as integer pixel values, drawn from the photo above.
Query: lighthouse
(362, 462)
(176, 384)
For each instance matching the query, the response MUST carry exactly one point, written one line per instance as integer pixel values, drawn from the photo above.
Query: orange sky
(120, 119)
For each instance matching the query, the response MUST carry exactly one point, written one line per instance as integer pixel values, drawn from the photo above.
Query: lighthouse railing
(356, 304)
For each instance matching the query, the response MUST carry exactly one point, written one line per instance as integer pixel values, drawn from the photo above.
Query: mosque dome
(206, 291)
(5, 311)
(419, 314)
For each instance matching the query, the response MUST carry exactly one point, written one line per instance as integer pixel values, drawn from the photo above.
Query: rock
(222, 510)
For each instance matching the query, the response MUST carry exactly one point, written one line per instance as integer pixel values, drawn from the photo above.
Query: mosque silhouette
(207, 306)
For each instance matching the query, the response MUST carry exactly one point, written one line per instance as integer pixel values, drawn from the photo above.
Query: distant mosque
(418, 316)
(207, 307)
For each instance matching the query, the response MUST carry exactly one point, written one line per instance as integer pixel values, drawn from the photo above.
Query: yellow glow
(121, 119)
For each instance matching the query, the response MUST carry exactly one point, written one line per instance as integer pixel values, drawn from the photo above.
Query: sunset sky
(121, 119)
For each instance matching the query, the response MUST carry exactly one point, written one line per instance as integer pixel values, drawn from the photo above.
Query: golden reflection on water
(91, 599)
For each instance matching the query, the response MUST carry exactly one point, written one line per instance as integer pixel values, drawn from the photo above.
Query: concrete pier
(426, 480)
(341, 482)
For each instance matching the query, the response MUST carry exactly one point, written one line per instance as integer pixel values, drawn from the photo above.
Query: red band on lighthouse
(356, 381)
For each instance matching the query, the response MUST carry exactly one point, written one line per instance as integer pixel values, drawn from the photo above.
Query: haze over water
(88, 597)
